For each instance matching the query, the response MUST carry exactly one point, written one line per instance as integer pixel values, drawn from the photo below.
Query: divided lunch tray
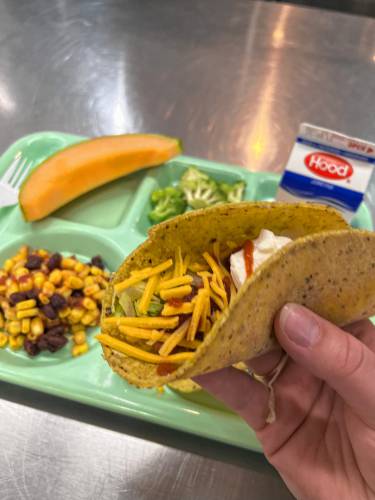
(112, 221)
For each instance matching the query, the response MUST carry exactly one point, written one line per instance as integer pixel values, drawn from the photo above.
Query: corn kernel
(79, 337)
(87, 318)
(89, 303)
(101, 281)
(3, 339)
(3, 289)
(8, 264)
(39, 279)
(96, 271)
(21, 271)
(44, 268)
(107, 274)
(36, 326)
(99, 295)
(78, 350)
(48, 288)
(16, 343)
(1, 320)
(25, 325)
(13, 288)
(77, 328)
(19, 262)
(89, 280)
(42, 253)
(76, 314)
(56, 276)
(91, 290)
(64, 291)
(27, 313)
(79, 267)
(25, 283)
(3, 274)
(64, 313)
(44, 299)
(23, 251)
(32, 336)
(85, 272)
(14, 327)
(25, 304)
(4, 304)
(68, 263)
(10, 314)
(75, 282)
(66, 274)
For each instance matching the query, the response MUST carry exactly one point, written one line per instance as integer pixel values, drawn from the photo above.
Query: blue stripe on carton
(320, 191)
(336, 151)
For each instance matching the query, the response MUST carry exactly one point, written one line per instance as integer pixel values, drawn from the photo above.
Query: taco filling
(164, 312)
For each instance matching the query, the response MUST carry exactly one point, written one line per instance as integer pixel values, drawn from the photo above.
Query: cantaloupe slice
(84, 166)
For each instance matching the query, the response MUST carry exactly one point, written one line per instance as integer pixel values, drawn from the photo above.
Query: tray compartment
(170, 174)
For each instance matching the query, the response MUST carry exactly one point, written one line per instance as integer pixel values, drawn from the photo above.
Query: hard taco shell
(328, 268)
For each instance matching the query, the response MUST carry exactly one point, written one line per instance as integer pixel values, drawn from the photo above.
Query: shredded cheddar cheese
(149, 291)
(174, 339)
(137, 271)
(174, 282)
(142, 275)
(217, 300)
(184, 308)
(198, 309)
(185, 264)
(140, 354)
(195, 267)
(176, 293)
(214, 266)
(178, 263)
(149, 322)
(216, 288)
(141, 333)
(155, 336)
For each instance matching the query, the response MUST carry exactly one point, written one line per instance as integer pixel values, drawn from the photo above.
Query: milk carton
(328, 167)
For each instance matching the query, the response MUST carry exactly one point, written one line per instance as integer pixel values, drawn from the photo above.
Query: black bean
(33, 294)
(31, 348)
(33, 261)
(97, 261)
(55, 342)
(56, 330)
(54, 261)
(49, 311)
(57, 301)
(42, 343)
(77, 293)
(16, 297)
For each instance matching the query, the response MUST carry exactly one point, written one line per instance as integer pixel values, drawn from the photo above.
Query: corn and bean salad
(46, 298)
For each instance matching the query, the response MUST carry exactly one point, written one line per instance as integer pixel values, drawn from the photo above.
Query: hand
(323, 440)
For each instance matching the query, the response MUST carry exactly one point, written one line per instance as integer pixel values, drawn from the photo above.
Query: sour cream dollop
(265, 245)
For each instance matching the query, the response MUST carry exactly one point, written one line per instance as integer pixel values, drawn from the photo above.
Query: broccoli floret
(167, 202)
(233, 192)
(200, 191)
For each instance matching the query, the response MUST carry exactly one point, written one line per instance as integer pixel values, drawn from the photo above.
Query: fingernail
(299, 325)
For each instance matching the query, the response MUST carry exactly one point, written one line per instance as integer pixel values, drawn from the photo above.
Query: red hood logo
(328, 166)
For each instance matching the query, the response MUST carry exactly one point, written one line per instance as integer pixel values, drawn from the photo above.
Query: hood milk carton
(328, 167)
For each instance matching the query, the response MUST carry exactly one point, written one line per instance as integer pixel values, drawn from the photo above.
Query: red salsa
(248, 250)
(166, 368)
(175, 302)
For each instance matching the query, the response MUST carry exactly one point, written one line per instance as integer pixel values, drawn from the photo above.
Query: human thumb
(331, 354)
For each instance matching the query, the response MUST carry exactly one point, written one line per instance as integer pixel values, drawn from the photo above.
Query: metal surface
(234, 80)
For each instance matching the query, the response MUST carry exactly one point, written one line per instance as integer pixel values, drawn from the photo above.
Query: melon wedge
(82, 167)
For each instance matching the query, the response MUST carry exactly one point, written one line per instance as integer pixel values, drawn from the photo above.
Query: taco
(202, 291)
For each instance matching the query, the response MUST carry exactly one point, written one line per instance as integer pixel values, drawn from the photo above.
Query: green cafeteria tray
(112, 221)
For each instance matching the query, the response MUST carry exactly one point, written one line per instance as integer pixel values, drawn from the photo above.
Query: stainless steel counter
(234, 80)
